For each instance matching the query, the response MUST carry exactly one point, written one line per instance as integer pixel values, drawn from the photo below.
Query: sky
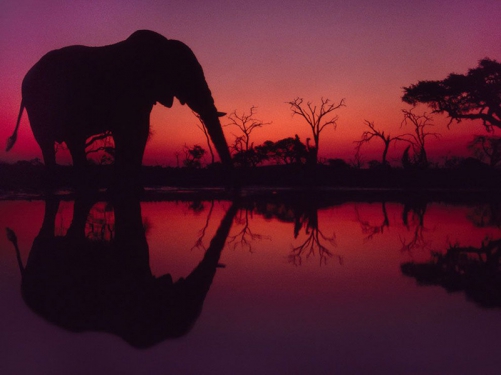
(268, 52)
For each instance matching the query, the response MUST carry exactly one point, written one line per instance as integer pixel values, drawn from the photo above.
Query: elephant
(82, 284)
(76, 92)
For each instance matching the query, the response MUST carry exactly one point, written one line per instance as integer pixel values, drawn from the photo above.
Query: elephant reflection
(476, 271)
(75, 92)
(94, 285)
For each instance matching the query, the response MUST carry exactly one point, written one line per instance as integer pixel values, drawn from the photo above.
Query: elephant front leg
(130, 142)
(81, 178)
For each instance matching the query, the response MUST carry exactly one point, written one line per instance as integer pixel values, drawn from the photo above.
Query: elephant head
(96, 285)
(177, 73)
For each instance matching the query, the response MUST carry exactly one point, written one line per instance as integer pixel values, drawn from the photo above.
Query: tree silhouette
(418, 138)
(318, 118)
(246, 123)
(485, 147)
(193, 156)
(372, 133)
(284, 151)
(475, 95)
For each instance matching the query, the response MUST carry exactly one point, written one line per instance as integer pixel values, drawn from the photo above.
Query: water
(302, 287)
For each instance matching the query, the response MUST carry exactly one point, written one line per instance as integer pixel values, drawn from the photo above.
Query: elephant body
(76, 92)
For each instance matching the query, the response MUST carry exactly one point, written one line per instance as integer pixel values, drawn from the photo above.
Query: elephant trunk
(217, 136)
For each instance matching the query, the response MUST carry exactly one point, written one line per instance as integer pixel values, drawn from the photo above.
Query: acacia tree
(418, 138)
(372, 133)
(317, 117)
(246, 123)
(475, 95)
(484, 147)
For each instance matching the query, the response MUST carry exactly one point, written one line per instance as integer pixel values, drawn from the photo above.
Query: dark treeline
(470, 174)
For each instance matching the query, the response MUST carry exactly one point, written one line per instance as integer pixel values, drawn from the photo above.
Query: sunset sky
(265, 53)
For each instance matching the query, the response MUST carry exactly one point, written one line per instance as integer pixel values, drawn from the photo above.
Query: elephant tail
(12, 139)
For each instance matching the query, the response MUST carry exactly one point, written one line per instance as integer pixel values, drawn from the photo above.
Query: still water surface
(299, 288)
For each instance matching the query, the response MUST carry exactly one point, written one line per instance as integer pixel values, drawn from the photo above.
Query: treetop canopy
(475, 95)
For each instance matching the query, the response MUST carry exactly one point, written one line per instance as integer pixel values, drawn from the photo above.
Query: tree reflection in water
(413, 214)
(97, 276)
(413, 219)
(245, 236)
(371, 230)
(475, 271)
(303, 213)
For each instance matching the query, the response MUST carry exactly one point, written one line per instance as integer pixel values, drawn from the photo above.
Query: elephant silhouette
(76, 92)
(83, 284)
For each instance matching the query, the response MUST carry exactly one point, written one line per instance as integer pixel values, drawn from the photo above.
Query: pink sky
(265, 53)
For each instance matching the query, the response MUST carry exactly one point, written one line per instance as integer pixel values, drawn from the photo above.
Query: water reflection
(474, 271)
(97, 275)
(302, 212)
(104, 268)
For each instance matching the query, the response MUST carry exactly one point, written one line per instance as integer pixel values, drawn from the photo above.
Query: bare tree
(372, 133)
(318, 118)
(418, 138)
(246, 123)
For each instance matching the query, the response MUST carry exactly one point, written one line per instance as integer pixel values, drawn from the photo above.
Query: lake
(260, 285)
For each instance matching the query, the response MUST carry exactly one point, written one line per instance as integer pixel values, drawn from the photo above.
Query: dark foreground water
(268, 287)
